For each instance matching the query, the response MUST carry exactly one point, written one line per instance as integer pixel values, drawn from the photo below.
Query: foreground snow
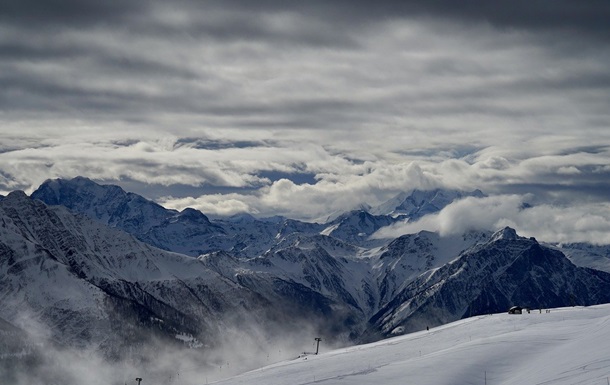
(565, 346)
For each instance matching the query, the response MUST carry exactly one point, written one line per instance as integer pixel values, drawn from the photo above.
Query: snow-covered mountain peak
(419, 203)
(108, 204)
(192, 215)
(506, 233)
(356, 226)
(491, 277)
(54, 190)
(15, 197)
(185, 232)
(241, 218)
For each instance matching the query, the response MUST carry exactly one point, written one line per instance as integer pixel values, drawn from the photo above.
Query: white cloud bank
(587, 222)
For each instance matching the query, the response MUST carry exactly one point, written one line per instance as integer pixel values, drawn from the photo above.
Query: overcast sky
(302, 108)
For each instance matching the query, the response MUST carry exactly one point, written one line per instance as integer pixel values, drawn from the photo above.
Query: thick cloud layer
(306, 108)
(580, 222)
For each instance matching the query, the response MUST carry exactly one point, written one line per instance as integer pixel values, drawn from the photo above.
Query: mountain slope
(310, 268)
(560, 348)
(408, 256)
(80, 279)
(356, 227)
(191, 232)
(108, 204)
(185, 232)
(587, 255)
(188, 232)
(508, 270)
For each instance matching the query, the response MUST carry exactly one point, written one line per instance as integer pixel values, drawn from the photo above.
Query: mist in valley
(30, 356)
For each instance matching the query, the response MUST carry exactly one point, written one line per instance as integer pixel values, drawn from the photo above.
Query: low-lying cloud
(42, 361)
(586, 222)
(551, 178)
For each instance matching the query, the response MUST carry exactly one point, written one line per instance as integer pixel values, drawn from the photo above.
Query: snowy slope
(587, 255)
(491, 277)
(394, 266)
(287, 262)
(564, 347)
(80, 279)
(314, 269)
(356, 227)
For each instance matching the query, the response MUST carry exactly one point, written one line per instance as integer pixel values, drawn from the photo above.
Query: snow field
(565, 346)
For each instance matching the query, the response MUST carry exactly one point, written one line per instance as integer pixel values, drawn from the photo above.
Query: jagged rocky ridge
(489, 278)
(91, 285)
(75, 262)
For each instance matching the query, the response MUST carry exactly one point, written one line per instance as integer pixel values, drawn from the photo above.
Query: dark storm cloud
(18, 50)
(236, 21)
(324, 23)
(586, 190)
(588, 181)
(43, 14)
(590, 17)
(44, 94)
(578, 16)
(336, 24)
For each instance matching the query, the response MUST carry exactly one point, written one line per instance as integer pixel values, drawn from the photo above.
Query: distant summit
(108, 204)
(507, 233)
(356, 226)
(132, 213)
(418, 203)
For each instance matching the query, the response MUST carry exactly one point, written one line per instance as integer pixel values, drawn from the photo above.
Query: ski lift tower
(139, 380)
(318, 339)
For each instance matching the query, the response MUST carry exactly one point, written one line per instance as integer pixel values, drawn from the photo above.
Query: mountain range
(85, 265)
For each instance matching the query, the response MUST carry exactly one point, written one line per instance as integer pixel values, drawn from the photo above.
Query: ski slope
(565, 346)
